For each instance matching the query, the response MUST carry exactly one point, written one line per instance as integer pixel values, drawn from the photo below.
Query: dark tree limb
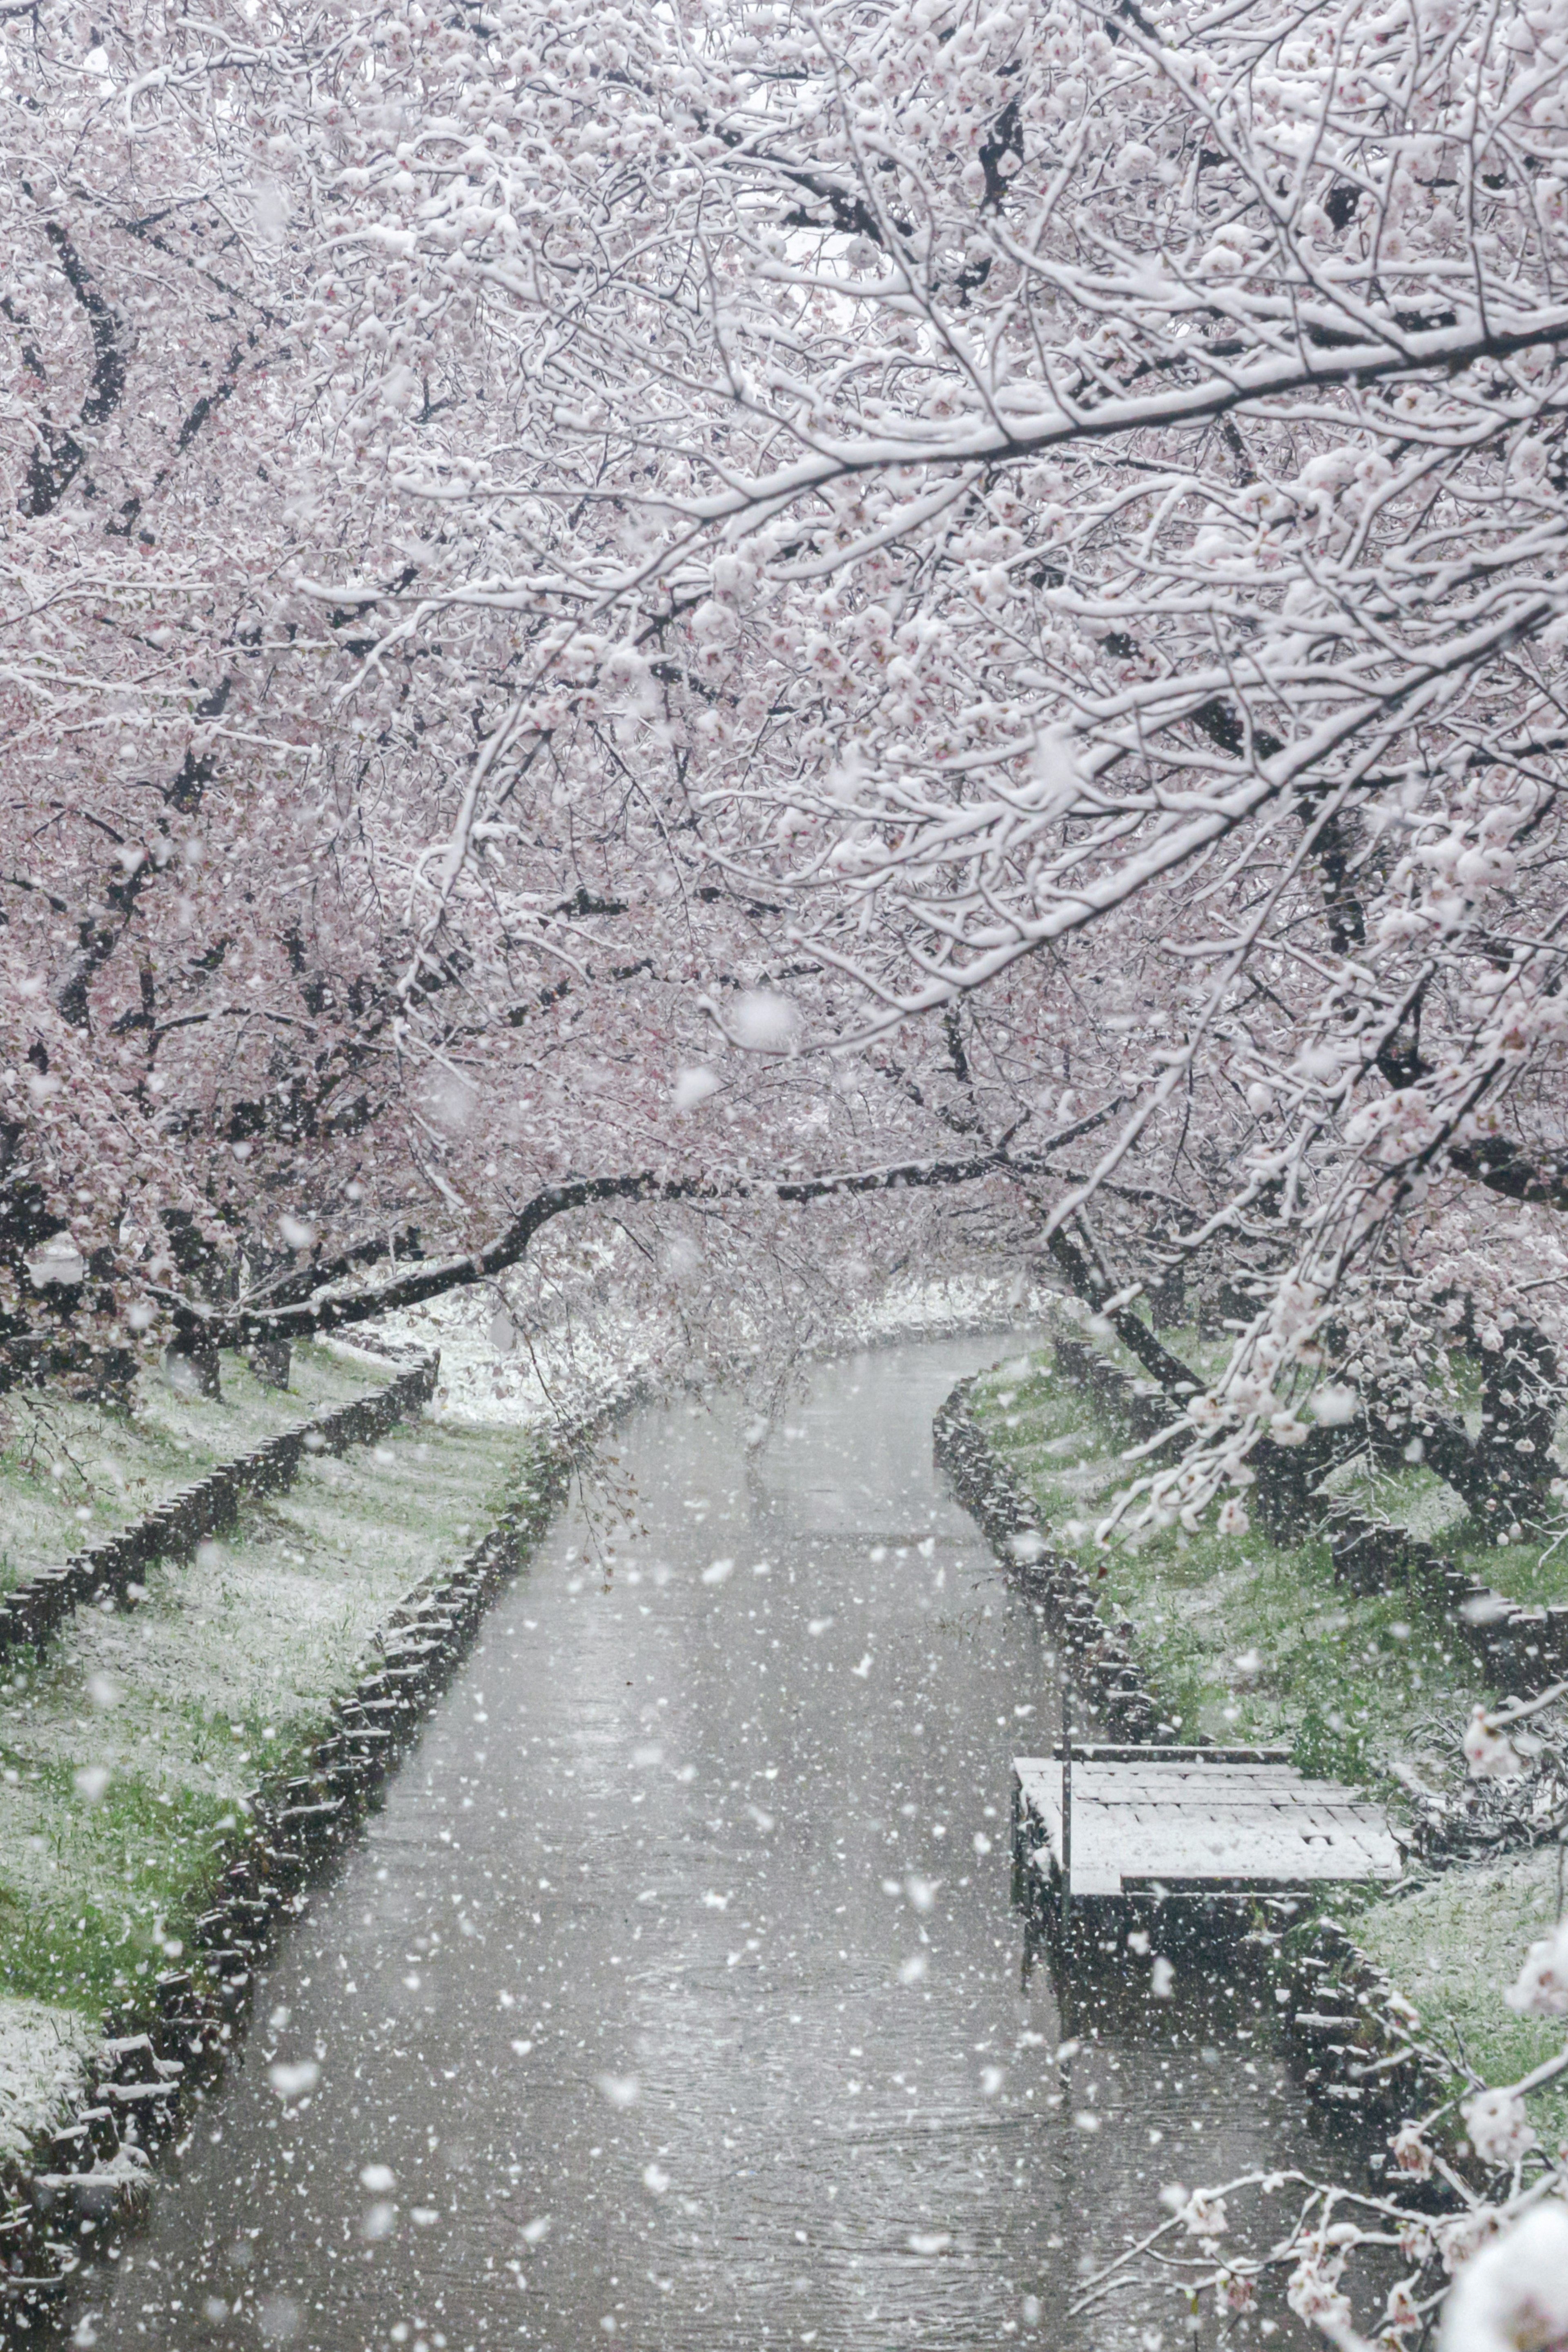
(329, 1309)
(1519, 1175)
(48, 479)
(1400, 1060)
(1174, 1377)
(99, 932)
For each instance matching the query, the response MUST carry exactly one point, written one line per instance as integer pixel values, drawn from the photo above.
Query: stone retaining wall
(1525, 1648)
(1102, 1661)
(1355, 2040)
(30, 1613)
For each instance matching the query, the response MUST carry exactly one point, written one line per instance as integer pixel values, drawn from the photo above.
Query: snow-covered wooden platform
(1188, 1822)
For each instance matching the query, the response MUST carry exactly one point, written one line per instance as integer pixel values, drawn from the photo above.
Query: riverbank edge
(1522, 1649)
(93, 2172)
(1349, 2030)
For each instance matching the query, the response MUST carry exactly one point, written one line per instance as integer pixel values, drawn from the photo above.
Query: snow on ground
(1242, 1638)
(596, 1349)
(124, 1758)
(1455, 1945)
(71, 1472)
(269, 1622)
(44, 2054)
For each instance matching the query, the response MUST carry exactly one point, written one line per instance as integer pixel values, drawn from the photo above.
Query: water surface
(675, 1997)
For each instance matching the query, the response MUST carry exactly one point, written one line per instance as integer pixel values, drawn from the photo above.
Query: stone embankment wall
(1525, 1649)
(96, 2169)
(30, 1613)
(1102, 1661)
(1355, 2041)
(1353, 2038)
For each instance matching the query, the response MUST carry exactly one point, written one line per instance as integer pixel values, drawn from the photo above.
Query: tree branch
(327, 1310)
(1506, 1168)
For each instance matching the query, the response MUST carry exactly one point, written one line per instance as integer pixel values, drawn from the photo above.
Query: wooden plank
(1260, 1830)
(1190, 1793)
(1116, 1771)
(1220, 1797)
(1222, 1788)
(1188, 1776)
(1110, 1753)
(1209, 1822)
(1243, 1820)
(1223, 1776)
(1179, 1776)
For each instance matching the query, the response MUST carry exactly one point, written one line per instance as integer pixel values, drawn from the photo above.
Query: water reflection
(675, 1995)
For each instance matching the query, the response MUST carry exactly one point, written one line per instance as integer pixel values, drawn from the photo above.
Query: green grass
(226, 1671)
(1240, 1638)
(133, 1870)
(1532, 1569)
(71, 1472)
(1456, 1946)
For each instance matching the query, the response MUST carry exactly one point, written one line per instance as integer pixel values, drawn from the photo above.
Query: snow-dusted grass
(1455, 1947)
(44, 2054)
(590, 1355)
(1533, 1571)
(72, 1472)
(1531, 1566)
(1244, 1639)
(125, 1755)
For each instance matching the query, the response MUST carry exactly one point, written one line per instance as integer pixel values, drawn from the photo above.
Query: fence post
(1066, 1818)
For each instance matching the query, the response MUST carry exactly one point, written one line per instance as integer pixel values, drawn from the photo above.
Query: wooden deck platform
(1187, 1821)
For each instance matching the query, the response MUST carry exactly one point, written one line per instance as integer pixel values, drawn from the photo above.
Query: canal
(675, 1997)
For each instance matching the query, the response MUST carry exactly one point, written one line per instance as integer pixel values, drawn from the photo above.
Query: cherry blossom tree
(1075, 497)
(282, 1010)
(1035, 515)
(726, 609)
(1024, 546)
(1065, 505)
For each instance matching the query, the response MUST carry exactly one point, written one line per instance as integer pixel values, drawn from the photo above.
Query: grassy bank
(71, 1472)
(1531, 1566)
(1241, 1638)
(125, 1755)
(1453, 1945)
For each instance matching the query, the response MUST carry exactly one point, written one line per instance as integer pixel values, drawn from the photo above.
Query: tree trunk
(192, 1366)
(271, 1360)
